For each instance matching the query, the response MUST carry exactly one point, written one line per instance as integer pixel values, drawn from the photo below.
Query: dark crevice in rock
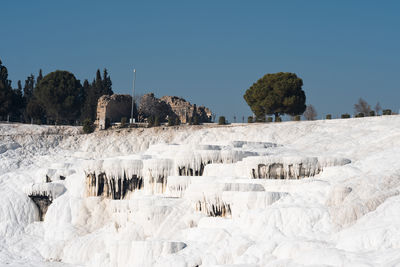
(114, 187)
(214, 210)
(183, 171)
(278, 171)
(42, 202)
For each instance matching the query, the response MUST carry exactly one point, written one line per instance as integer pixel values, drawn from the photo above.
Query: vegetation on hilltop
(276, 94)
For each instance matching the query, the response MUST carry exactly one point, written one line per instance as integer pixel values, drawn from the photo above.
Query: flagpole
(133, 95)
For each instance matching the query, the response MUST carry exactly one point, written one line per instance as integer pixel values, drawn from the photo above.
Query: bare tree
(378, 108)
(310, 113)
(362, 107)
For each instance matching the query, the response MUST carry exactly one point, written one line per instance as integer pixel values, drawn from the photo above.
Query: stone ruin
(184, 110)
(112, 109)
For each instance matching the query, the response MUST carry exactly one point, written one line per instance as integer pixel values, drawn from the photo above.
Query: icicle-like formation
(177, 185)
(206, 193)
(113, 178)
(272, 167)
(43, 194)
(50, 190)
(192, 163)
(213, 207)
(243, 201)
(155, 173)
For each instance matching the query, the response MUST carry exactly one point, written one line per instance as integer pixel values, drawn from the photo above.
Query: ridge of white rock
(322, 193)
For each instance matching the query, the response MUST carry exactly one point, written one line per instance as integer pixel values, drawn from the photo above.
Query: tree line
(282, 94)
(56, 98)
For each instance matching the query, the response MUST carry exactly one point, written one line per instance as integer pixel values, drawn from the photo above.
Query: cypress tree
(6, 92)
(88, 109)
(92, 92)
(29, 87)
(39, 77)
(107, 84)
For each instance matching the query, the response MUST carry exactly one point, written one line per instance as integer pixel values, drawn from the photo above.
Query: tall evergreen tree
(18, 102)
(39, 77)
(100, 86)
(107, 84)
(6, 92)
(88, 108)
(29, 87)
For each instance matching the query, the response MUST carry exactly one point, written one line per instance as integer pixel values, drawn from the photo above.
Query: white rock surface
(345, 214)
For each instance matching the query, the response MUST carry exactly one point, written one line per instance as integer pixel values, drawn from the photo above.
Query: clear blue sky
(210, 52)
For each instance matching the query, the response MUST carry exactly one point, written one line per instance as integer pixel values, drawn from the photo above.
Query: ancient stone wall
(112, 109)
(184, 110)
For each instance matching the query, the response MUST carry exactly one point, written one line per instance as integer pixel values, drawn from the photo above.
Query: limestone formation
(112, 187)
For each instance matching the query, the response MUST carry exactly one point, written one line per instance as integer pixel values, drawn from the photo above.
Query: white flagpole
(133, 95)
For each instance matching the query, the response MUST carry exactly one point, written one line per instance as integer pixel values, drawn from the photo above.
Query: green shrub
(297, 118)
(345, 116)
(372, 113)
(387, 112)
(177, 121)
(269, 119)
(250, 119)
(123, 122)
(278, 119)
(88, 126)
(157, 121)
(221, 120)
(360, 115)
(328, 116)
(150, 121)
(171, 121)
(196, 120)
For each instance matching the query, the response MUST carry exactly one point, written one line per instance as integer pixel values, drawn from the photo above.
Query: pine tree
(61, 94)
(92, 92)
(276, 94)
(39, 77)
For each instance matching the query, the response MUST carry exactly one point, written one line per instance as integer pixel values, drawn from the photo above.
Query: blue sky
(210, 52)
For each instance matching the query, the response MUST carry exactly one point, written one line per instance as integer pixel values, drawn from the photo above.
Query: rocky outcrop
(184, 110)
(152, 106)
(112, 108)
